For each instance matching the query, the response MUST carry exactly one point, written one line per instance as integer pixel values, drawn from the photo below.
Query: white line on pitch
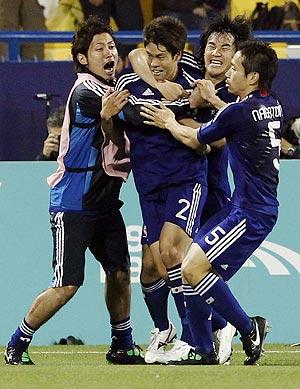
(104, 352)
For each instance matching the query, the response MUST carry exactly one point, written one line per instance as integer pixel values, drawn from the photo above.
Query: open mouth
(156, 72)
(109, 66)
(216, 62)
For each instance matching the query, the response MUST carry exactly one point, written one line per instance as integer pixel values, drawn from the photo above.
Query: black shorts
(73, 233)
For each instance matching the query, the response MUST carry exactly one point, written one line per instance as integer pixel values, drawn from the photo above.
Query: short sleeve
(227, 121)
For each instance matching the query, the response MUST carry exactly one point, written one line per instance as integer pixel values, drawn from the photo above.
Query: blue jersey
(218, 158)
(219, 192)
(217, 177)
(84, 186)
(252, 131)
(158, 160)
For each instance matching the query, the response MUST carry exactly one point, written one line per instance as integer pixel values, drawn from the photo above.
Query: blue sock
(217, 321)
(175, 282)
(22, 337)
(199, 314)
(156, 298)
(214, 290)
(121, 334)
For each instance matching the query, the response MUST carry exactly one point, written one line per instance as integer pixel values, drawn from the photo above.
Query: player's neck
(247, 92)
(215, 80)
(172, 76)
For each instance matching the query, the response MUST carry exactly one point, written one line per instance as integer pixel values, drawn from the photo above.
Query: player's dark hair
(259, 57)
(239, 28)
(167, 31)
(84, 36)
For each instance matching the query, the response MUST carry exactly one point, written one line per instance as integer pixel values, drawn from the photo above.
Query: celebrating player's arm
(163, 117)
(170, 90)
(205, 94)
(112, 103)
(185, 133)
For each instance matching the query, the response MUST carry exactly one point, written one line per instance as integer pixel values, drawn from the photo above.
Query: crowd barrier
(267, 285)
(14, 39)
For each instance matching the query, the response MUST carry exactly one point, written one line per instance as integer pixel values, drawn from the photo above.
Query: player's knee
(170, 255)
(149, 270)
(65, 293)
(119, 279)
(186, 271)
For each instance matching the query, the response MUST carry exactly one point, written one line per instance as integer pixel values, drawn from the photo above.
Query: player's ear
(254, 78)
(177, 56)
(82, 59)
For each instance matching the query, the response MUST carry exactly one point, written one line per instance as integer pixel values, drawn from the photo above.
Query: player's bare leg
(41, 310)
(173, 245)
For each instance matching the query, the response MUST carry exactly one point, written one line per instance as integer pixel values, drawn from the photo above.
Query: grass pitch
(85, 367)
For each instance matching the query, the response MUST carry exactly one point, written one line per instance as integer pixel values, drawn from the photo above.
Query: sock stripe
(225, 238)
(207, 282)
(188, 290)
(26, 330)
(174, 274)
(121, 326)
(149, 289)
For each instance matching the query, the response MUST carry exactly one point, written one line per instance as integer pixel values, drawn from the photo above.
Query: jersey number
(186, 207)
(215, 235)
(275, 142)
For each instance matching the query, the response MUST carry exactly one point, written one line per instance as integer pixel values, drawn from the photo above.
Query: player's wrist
(105, 116)
(170, 123)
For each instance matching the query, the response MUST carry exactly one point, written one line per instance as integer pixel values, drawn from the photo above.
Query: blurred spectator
(22, 15)
(290, 140)
(193, 13)
(49, 6)
(126, 14)
(286, 17)
(291, 19)
(51, 144)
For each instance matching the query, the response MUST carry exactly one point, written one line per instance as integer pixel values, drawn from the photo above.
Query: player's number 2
(187, 205)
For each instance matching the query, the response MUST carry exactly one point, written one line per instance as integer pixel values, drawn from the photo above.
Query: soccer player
(217, 47)
(84, 201)
(170, 178)
(251, 127)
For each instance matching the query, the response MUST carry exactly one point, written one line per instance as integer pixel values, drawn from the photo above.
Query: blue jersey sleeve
(227, 121)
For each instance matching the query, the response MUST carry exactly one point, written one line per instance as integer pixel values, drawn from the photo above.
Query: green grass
(85, 367)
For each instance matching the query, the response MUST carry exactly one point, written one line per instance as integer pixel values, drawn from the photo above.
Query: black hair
(259, 57)
(167, 31)
(84, 36)
(239, 28)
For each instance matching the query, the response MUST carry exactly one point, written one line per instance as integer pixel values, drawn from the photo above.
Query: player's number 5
(215, 235)
(275, 142)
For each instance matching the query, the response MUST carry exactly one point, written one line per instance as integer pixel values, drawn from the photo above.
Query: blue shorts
(216, 200)
(178, 204)
(231, 236)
